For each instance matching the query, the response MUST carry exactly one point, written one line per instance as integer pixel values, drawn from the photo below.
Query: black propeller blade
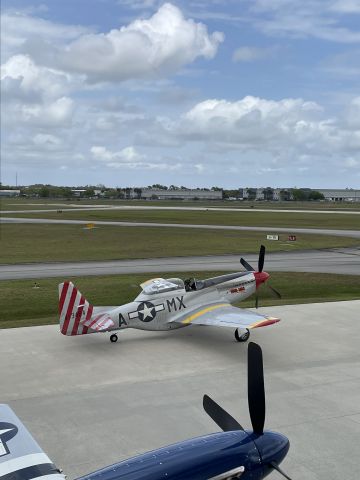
(276, 467)
(222, 418)
(246, 265)
(256, 389)
(256, 397)
(278, 294)
(261, 258)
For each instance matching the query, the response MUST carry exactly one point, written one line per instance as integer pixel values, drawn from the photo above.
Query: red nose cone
(261, 277)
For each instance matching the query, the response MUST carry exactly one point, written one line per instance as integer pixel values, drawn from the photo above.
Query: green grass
(22, 305)
(247, 218)
(23, 243)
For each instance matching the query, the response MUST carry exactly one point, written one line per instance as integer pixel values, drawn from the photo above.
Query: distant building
(330, 194)
(9, 193)
(340, 195)
(79, 192)
(159, 194)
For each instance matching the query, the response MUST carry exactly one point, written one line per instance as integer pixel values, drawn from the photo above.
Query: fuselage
(202, 458)
(152, 311)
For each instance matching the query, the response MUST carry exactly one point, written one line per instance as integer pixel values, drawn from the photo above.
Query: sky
(194, 93)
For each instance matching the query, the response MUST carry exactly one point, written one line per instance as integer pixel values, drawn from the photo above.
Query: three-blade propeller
(256, 397)
(249, 268)
(256, 401)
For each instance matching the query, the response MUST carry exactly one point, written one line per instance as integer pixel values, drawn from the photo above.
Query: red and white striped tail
(73, 308)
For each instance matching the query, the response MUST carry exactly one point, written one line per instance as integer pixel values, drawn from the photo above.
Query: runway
(340, 260)
(90, 403)
(288, 230)
(77, 208)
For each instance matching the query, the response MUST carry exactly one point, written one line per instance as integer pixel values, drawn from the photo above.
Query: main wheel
(244, 337)
(113, 338)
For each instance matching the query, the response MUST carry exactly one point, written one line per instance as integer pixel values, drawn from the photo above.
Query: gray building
(340, 195)
(9, 193)
(159, 194)
(330, 194)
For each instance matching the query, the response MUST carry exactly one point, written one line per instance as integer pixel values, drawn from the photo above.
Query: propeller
(261, 258)
(220, 416)
(256, 397)
(256, 401)
(276, 467)
(249, 268)
(246, 265)
(256, 389)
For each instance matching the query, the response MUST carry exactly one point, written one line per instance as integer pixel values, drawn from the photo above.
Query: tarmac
(336, 260)
(90, 403)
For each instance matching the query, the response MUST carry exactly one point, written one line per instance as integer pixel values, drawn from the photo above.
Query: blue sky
(195, 93)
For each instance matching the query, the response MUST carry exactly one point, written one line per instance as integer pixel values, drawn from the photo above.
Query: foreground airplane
(166, 304)
(230, 454)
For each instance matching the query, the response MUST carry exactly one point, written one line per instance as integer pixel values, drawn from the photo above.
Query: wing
(225, 315)
(21, 458)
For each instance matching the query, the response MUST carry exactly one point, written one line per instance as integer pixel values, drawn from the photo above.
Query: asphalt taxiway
(340, 261)
(90, 403)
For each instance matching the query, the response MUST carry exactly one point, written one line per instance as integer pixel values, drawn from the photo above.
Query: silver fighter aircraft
(166, 304)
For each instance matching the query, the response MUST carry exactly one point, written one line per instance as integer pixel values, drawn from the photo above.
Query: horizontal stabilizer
(99, 323)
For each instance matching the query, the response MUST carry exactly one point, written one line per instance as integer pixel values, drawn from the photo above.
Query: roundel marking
(7, 432)
(146, 311)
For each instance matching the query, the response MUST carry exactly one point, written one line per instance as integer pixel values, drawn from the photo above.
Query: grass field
(211, 217)
(23, 305)
(23, 243)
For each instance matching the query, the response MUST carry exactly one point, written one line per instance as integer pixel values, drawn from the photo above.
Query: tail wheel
(244, 337)
(113, 338)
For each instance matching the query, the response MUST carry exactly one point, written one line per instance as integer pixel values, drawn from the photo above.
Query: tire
(244, 337)
(113, 338)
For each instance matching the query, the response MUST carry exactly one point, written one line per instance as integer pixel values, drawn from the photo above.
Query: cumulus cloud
(30, 34)
(149, 48)
(21, 75)
(278, 135)
(129, 158)
(48, 115)
(126, 155)
(250, 122)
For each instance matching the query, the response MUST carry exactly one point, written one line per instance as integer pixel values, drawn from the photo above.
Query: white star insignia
(147, 312)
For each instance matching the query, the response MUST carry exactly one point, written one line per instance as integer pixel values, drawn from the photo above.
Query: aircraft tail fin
(20, 456)
(74, 309)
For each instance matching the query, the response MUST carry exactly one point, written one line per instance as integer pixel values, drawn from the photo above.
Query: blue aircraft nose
(272, 447)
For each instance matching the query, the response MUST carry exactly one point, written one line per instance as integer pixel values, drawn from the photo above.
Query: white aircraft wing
(21, 458)
(224, 315)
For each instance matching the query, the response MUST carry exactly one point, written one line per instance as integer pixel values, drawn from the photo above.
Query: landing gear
(113, 338)
(244, 337)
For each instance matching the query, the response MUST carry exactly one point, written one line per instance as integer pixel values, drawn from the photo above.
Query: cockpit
(161, 285)
(192, 284)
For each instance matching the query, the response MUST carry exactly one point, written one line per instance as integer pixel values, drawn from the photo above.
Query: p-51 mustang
(227, 455)
(166, 304)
